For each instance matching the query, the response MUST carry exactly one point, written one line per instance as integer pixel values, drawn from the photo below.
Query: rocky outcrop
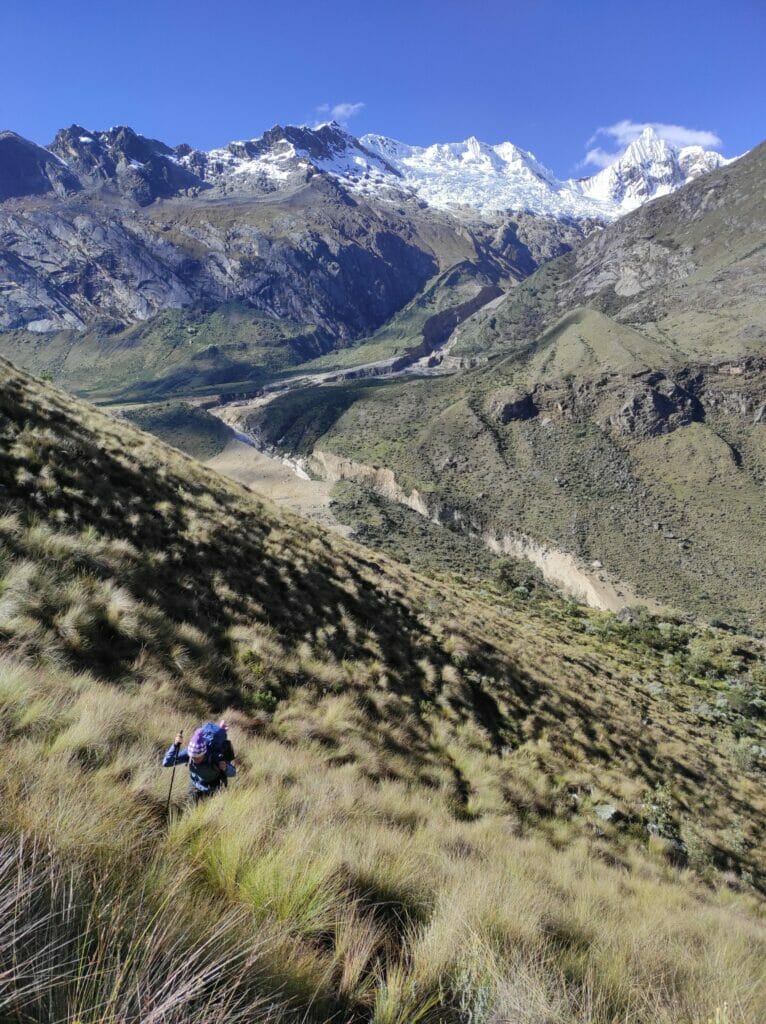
(510, 404)
(733, 388)
(76, 267)
(646, 404)
(654, 405)
(30, 170)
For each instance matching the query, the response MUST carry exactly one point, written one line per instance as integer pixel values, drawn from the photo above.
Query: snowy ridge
(468, 178)
(648, 168)
(498, 178)
(486, 178)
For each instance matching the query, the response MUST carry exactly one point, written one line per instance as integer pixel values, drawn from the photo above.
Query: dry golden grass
(452, 806)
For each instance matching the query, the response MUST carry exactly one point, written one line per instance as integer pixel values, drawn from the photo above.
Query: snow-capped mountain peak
(471, 177)
(480, 176)
(649, 167)
(647, 147)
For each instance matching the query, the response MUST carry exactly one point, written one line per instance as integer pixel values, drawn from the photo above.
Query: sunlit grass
(453, 807)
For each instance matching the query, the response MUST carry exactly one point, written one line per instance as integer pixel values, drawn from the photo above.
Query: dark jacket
(205, 777)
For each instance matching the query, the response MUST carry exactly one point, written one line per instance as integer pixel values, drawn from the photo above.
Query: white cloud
(340, 112)
(622, 133)
(598, 158)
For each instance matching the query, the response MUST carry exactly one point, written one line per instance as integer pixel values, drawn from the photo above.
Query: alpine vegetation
(454, 802)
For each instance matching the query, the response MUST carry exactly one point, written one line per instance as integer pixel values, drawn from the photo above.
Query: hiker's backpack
(218, 746)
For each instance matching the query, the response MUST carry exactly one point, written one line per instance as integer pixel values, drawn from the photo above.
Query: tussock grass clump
(93, 948)
(453, 806)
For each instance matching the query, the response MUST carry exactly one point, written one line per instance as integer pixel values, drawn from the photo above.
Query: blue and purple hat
(197, 744)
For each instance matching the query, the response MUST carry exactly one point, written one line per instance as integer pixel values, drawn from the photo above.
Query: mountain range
(134, 271)
(611, 406)
(470, 175)
(304, 241)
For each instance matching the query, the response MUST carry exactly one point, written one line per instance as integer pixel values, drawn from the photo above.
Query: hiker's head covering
(197, 744)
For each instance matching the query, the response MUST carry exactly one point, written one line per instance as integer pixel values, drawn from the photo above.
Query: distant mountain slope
(687, 270)
(626, 423)
(30, 170)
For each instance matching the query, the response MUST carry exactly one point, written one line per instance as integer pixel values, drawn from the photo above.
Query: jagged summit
(501, 177)
(471, 177)
(649, 167)
(145, 169)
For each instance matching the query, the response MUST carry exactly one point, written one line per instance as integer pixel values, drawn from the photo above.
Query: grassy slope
(183, 426)
(408, 537)
(419, 821)
(685, 270)
(561, 477)
(584, 342)
(177, 352)
(680, 517)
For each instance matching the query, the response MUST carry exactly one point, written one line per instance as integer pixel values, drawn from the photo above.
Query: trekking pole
(176, 748)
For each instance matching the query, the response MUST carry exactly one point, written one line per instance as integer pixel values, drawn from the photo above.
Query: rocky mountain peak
(649, 167)
(287, 155)
(101, 153)
(142, 168)
(29, 170)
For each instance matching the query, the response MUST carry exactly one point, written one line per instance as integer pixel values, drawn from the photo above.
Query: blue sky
(546, 74)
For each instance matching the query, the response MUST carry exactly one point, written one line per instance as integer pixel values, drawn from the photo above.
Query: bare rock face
(30, 170)
(143, 169)
(68, 269)
(643, 405)
(511, 404)
(655, 405)
(736, 389)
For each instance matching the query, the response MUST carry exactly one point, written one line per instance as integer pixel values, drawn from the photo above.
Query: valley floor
(270, 477)
(284, 482)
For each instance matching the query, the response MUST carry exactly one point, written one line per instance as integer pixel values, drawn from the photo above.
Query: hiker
(209, 756)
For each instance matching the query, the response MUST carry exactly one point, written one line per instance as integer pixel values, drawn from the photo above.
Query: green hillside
(663, 486)
(685, 270)
(617, 416)
(454, 804)
(190, 428)
(175, 353)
